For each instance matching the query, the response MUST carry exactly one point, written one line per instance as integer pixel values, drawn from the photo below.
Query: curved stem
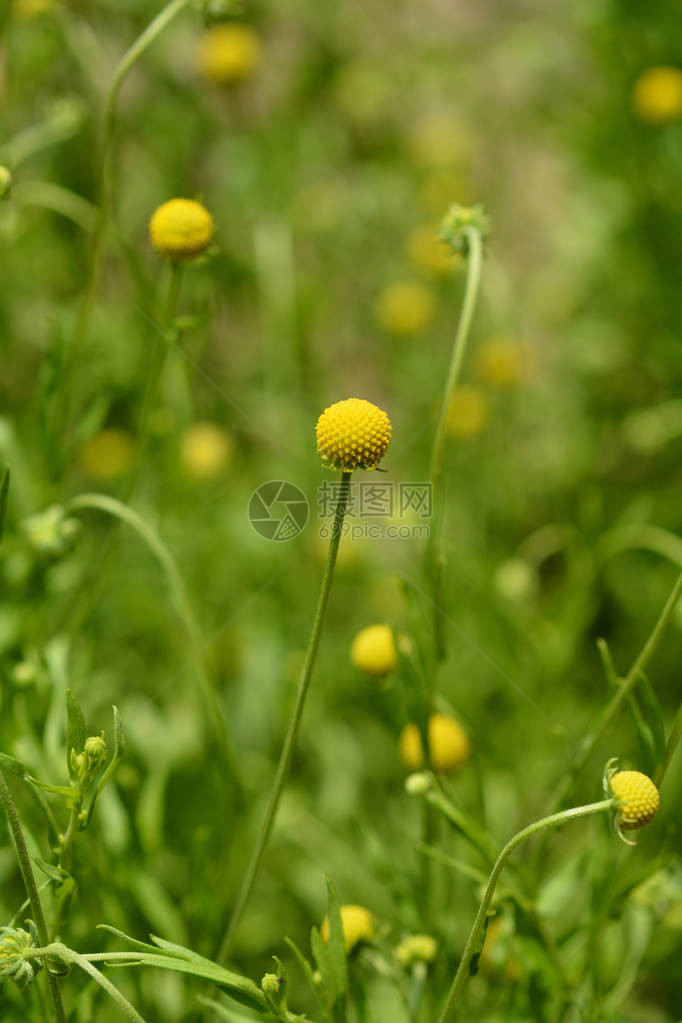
(68, 954)
(476, 931)
(587, 748)
(31, 889)
(133, 54)
(294, 722)
(471, 289)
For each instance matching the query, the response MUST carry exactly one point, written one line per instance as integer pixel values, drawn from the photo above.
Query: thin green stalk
(587, 748)
(31, 889)
(471, 289)
(158, 362)
(670, 747)
(133, 54)
(69, 956)
(474, 939)
(294, 722)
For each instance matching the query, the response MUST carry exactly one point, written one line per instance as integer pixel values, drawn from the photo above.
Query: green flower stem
(294, 722)
(587, 748)
(158, 362)
(474, 939)
(84, 962)
(132, 55)
(671, 746)
(31, 889)
(473, 281)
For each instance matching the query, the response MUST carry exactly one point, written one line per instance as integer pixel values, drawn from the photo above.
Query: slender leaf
(651, 711)
(336, 946)
(75, 729)
(4, 498)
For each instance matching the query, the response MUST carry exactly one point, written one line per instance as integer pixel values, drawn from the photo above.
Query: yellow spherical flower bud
(657, 94)
(469, 412)
(353, 434)
(448, 743)
(205, 450)
(107, 455)
(637, 796)
(181, 229)
(358, 925)
(429, 254)
(373, 650)
(228, 53)
(404, 308)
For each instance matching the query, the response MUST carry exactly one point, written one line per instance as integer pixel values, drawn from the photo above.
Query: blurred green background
(327, 161)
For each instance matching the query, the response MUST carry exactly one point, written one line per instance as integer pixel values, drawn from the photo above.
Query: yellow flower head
(181, 229)
(469, 412)
(657, 94)
(404, 308)
(637, 796)
(429, 254)
(448, 743)
(353, 434)
(228, 53)
(5, 182)
(205, 450)
(418, 948)
(106, 455)
(373, 650)
(358, 925)
(503, 361)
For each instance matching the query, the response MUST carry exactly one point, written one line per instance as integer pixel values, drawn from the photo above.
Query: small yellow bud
(637, 796)
(228, 53)
(404, 308)
(657, 94)
(205, 450)
(95, 751)
(419, 783)
(418, 948)
(358, 925)
(373, 650)
(353, 434)
(448, 743)
(181, 229)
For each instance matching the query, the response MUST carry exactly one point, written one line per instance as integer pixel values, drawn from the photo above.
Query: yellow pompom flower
(429, 254)
(107, 454)
(228, 53)
(353, 434)
(657, 94)
(205, 450)
(448, 743)
(469, 412)
(404, 308)
(637, 796)
(373, 650)
(181, 229)
(358, 925)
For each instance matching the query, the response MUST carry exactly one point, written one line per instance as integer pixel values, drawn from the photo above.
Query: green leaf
(307, 970)
(54, 872)
(4, 498)
(336, 946)
(14, 766)
(319, 950)
(75, 729)
(168, 956)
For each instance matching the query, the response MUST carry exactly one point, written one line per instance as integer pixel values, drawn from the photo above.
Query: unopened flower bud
(418, 948)
(419, 783)
(15, 942)
(95, 752)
